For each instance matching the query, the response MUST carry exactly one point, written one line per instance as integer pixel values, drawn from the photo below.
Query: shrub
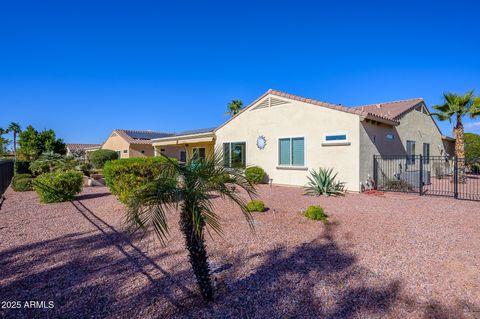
(98, 158)
(46, 163)
(58, 186)
(22, 182)
(323, 183)
(256, 206)
(22, 167)
(316, 213)
(124, 176)
(255, 175)
(398, 185)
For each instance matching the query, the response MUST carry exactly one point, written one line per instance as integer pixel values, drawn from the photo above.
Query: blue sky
(84, 68)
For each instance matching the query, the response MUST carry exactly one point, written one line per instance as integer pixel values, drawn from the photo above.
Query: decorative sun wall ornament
(261, 142)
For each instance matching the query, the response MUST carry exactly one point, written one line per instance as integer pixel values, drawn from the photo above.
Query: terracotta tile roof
(141, 137)
(392, 110)
(338, 107)
(77, 146)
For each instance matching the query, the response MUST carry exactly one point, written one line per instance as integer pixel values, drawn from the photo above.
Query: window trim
(426, 158)
(336, 142)
(198, 148)
(291, 166)
(230, 152)
(389, 134)
(411, 157)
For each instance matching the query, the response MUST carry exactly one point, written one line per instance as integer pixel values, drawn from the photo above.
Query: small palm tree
(457, 106)
(234, 107)
(189, 189)
(15, 128)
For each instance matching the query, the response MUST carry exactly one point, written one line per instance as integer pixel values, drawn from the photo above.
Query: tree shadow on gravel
(90, 274)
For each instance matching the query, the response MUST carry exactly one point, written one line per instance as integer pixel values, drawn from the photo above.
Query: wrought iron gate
(428, 175)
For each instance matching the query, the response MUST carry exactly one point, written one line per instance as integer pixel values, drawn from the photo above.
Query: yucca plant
(324, 182)
(188, 190)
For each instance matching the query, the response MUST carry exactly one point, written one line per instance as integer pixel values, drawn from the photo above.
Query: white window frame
(336, 142)
(230, 151)
(291, 166)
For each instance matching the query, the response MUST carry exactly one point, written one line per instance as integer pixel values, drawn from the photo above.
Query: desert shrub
(22, 182)
(255, 174)
(323, 183)
(98, 158)
(397, 185)
(58, 186)
(255, 206)
(46, 163)
(316, 213)
(22, 167)
(124, 176)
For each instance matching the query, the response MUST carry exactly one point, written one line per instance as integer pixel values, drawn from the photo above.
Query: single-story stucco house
(130, 143)
(288, 135)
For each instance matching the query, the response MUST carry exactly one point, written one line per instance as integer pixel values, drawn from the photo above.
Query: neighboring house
(79, 150)
(131, 143)
(288, 135)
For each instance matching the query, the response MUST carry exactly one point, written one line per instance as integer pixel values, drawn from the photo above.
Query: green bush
(323, 183)
(316, 213)
(256, 206)
(255, 174)
(398, 185)
(22, 167)
(124, 176)
(98, 158)
(58, 186)
(22, 182)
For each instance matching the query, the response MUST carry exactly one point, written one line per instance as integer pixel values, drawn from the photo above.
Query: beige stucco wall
(420, 127)
(297, 119)
(117, 143)
(415, 126)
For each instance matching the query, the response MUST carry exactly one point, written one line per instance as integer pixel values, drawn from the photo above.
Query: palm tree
(457, 106)
(15, 128)
(188, 189)
(234, 107)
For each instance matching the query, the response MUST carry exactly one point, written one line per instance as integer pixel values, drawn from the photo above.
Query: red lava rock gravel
(394, 256)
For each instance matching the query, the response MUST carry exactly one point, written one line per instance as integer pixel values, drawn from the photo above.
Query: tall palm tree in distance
(234, 107)
(15, 129)
(188, 189)
(456, 107)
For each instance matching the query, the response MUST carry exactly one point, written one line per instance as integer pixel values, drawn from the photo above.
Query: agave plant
(324, 182)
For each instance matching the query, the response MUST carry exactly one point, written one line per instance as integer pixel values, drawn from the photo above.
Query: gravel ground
(394, 256)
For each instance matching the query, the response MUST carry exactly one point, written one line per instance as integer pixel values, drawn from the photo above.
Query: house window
(335, 139)
(426, 153)
(390, 136)
(291, 151)
(125, 151)
(183, 156)
(410, 152)
(234, 154)
(198, 153)
(119, 153)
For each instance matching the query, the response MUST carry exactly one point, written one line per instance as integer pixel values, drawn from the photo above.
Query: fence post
(455, 177)
(420, 176)
(375, 172)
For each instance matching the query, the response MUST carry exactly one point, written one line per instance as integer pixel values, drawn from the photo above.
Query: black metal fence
(432, 175)
(6, 175)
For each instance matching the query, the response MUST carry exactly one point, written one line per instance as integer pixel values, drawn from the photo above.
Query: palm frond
(147, 208)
